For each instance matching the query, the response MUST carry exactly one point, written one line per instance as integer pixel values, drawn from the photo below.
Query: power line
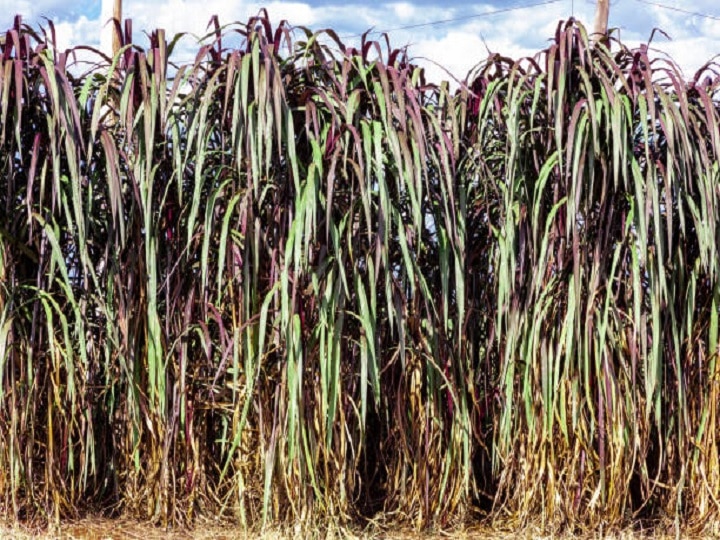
(457, 19)
(680, 10)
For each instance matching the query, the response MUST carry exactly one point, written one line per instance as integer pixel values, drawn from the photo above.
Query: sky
(454, 34)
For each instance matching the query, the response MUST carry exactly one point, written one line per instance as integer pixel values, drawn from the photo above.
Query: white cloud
(71, 33)
(457, 46)
(461, 49)
(57, 10)
(296, 13)
(689, 54)
(455, 53)
(404, 11)
(11, 8)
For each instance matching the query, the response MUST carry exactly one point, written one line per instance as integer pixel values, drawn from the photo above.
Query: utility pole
(117, 27)
(600, 28)
(111, 20)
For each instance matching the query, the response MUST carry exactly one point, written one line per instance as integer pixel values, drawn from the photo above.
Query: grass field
(293, 282)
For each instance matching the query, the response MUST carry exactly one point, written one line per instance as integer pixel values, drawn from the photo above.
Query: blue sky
(511, 27)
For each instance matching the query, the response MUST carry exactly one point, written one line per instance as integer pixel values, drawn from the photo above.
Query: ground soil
(107, 529)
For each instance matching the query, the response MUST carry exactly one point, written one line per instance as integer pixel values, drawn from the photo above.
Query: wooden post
(117, 19)
(600, 28)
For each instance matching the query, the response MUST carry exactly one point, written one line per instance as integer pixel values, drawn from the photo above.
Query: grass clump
(294, 282)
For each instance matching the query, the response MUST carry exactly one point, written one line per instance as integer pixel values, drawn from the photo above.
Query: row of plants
(293, 281)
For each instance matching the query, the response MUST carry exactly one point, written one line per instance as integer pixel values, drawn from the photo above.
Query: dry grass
(97, 528)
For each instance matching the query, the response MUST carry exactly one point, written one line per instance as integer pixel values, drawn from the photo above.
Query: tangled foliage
(292, 281)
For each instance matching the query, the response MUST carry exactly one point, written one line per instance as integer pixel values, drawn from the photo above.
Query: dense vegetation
(291, 282)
